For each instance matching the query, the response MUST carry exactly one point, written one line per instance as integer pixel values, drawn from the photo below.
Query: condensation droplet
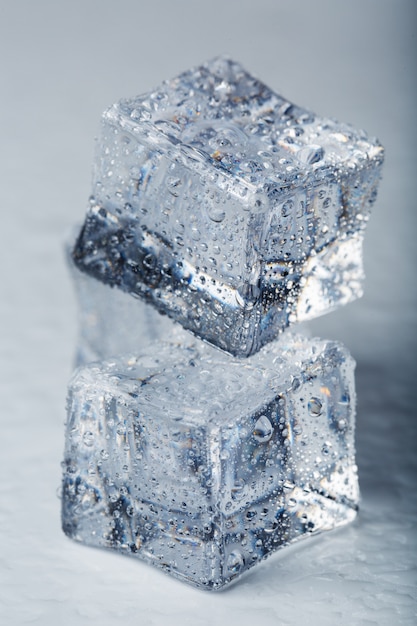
(263, 429)
(140, 114)
(296, 384)
(239, 484)
(216, 214)
(287, 208)
(345, 399)
(326, 448)
(120, 428)
(173, 185)
(234, 562)
(88, 438)
(271, 526)
(314, 407)
(149, 261)
(310, 154)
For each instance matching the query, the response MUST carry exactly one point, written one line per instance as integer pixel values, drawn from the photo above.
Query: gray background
(61, 64)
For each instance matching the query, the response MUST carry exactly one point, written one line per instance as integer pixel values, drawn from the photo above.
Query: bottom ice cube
(203, 464)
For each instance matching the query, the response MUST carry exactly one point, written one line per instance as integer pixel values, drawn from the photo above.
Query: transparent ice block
(202, 464)
(228, 207)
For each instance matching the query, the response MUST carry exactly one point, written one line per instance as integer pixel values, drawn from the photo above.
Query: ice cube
(228, 207)
(202, 464)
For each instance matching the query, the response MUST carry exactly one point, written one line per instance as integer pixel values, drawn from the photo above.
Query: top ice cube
(229, 208)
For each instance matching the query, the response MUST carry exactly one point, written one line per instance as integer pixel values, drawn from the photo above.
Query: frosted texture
(228, 207)
(202, 464)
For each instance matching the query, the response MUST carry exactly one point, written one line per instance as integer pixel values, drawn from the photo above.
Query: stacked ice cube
(235, 213)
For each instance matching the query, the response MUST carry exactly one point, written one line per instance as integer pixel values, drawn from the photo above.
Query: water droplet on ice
(287, 208)
(310, 154)
(326, 448)
(234, 562)
(216, 213)
(174, 184)
(314, 407)
(140, 114)
(263, 429)
(88, 438)
(149, 261)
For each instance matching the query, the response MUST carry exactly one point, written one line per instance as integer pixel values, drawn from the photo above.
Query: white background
(61, 64)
